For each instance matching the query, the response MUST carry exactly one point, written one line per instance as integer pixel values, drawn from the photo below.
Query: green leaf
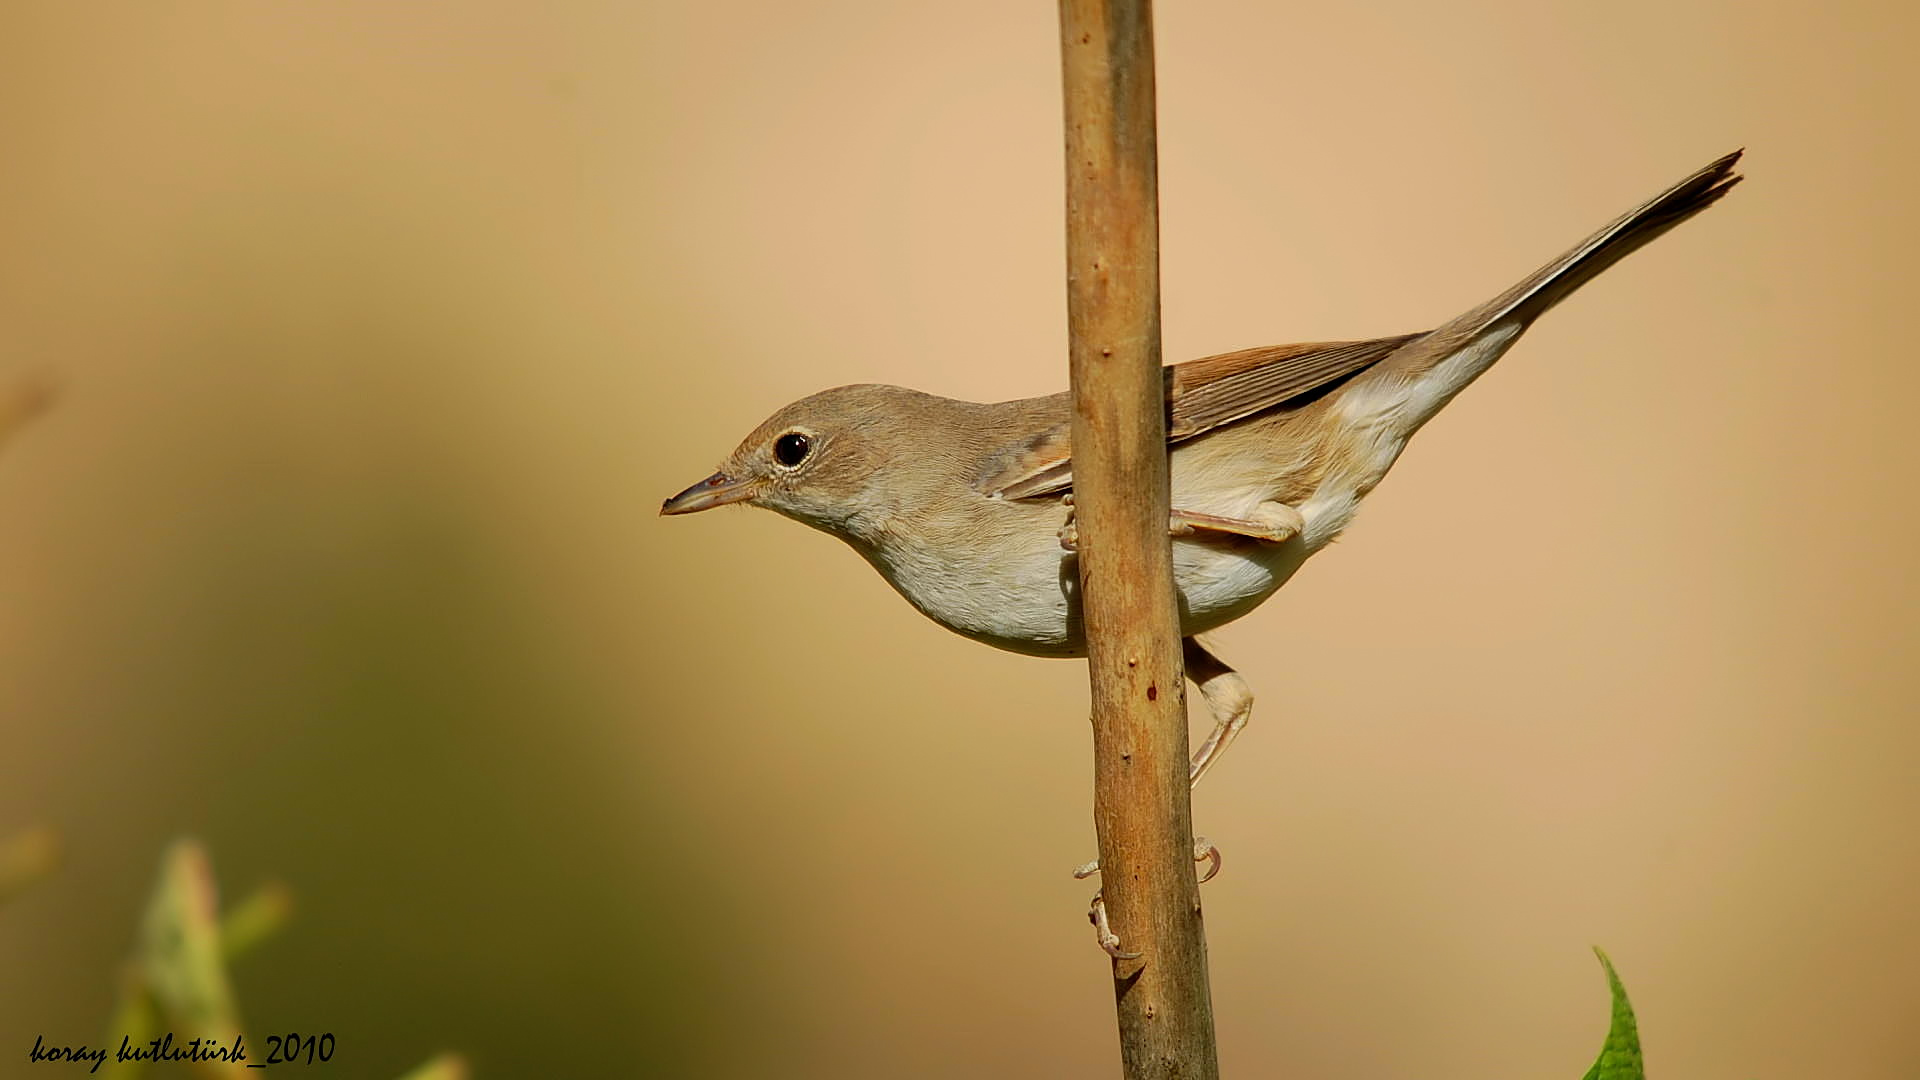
(1620, 1054)
(255, 919)
(180, 958)
(179, 969)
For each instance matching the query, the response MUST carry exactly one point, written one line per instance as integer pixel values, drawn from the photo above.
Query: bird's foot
(1103, 931)
(1069, 532)
(1203, 851)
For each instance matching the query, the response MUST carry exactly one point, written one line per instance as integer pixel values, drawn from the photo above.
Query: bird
(965, 508)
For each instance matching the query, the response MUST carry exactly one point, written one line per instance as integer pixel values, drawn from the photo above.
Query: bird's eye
(791, 449)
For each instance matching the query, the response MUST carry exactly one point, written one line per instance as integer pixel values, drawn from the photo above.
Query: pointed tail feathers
(1558, 279)
(1420, 377)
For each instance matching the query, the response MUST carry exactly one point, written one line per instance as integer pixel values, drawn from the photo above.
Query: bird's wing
(1201, 395)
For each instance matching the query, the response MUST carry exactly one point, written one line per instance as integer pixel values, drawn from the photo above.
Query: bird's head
(832, 460)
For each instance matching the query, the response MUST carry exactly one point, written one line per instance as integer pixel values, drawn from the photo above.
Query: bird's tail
(1424, 374)
(1558, 279)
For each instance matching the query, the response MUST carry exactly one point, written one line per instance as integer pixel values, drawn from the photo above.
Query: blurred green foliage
(177, 980)
(176, 983)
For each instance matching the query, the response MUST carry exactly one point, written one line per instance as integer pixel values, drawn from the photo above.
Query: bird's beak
(716, 490)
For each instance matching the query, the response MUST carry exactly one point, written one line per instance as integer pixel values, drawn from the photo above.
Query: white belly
(1026, 600)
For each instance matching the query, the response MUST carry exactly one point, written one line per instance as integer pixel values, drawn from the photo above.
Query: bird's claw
(1204, 850)
(1069, 532)
(1103, 931)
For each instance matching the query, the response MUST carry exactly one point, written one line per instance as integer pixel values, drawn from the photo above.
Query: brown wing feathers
(1216, 390)
(1202, 395)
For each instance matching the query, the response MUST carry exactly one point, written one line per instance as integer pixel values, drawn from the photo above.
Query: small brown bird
(966, 508)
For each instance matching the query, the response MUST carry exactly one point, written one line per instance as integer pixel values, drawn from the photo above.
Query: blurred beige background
(383, 329)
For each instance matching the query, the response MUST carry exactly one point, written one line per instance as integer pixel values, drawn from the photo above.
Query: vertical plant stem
(1128, 604)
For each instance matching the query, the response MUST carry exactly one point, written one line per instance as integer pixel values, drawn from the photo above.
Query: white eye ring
(792, 449)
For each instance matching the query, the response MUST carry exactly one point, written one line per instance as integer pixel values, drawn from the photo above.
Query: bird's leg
(1228, 698)
(1227, 695)
(1231, 702)
(1274, 522)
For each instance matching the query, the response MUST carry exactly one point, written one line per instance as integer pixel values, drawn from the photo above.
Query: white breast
(1014, 596)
